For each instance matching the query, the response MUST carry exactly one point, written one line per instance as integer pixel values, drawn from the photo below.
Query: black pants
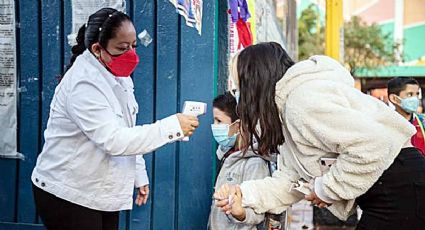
(60, 214)
(397, 199)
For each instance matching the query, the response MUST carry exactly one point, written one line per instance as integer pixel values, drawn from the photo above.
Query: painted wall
(382, 12)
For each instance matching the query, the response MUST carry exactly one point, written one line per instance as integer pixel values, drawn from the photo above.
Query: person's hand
(221, 197)
(315, 200)
(142, 195)
(188, 123)
(238, 211)
(229, 199)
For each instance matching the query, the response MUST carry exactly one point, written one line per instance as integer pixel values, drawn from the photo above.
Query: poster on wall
(82, 9)
(191, 10)
(8, 109)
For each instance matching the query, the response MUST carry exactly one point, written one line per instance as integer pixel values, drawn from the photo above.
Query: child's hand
(224, 197)
(229, 199)
(237, 210)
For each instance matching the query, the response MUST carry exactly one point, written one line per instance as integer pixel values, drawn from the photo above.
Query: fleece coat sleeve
(271, 194)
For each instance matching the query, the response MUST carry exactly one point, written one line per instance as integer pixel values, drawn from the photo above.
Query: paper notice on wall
(8, 114)
(82, 9)
(191, 10)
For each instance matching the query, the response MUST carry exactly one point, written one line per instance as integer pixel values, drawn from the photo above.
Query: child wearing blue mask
(235, 166)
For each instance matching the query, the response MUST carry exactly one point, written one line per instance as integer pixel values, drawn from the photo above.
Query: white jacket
(325, 116)
(91, 141)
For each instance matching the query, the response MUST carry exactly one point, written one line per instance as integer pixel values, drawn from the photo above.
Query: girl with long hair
(338, 147)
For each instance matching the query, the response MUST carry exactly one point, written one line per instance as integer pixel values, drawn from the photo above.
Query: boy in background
(403, 93)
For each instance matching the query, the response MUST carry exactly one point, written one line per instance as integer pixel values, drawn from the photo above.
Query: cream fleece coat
(323, 115)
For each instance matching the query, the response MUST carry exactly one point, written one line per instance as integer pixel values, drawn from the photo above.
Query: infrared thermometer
(194, 108)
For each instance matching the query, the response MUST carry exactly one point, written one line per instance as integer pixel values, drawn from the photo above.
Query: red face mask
(122, 65)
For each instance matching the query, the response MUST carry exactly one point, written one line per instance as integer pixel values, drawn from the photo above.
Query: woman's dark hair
(100, 27)
(226, 103)
(259, 68)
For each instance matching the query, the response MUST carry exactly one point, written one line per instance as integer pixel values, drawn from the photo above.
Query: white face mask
(232, 84)
(234, 90)
(237, 95)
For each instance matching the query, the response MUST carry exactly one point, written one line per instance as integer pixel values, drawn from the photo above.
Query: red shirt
(418, 139)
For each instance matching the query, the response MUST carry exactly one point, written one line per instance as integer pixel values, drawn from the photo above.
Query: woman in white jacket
(88, 168)
(311, 113)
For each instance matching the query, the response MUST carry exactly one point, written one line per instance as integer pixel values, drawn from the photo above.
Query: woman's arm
(90, 110)
(271, 194)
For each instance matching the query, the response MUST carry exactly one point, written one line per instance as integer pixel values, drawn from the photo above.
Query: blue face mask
(409, 104)
(221, 135)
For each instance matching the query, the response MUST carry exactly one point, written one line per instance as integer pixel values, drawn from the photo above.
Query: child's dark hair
(226, 103)
(398, 84)
(100, 27)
